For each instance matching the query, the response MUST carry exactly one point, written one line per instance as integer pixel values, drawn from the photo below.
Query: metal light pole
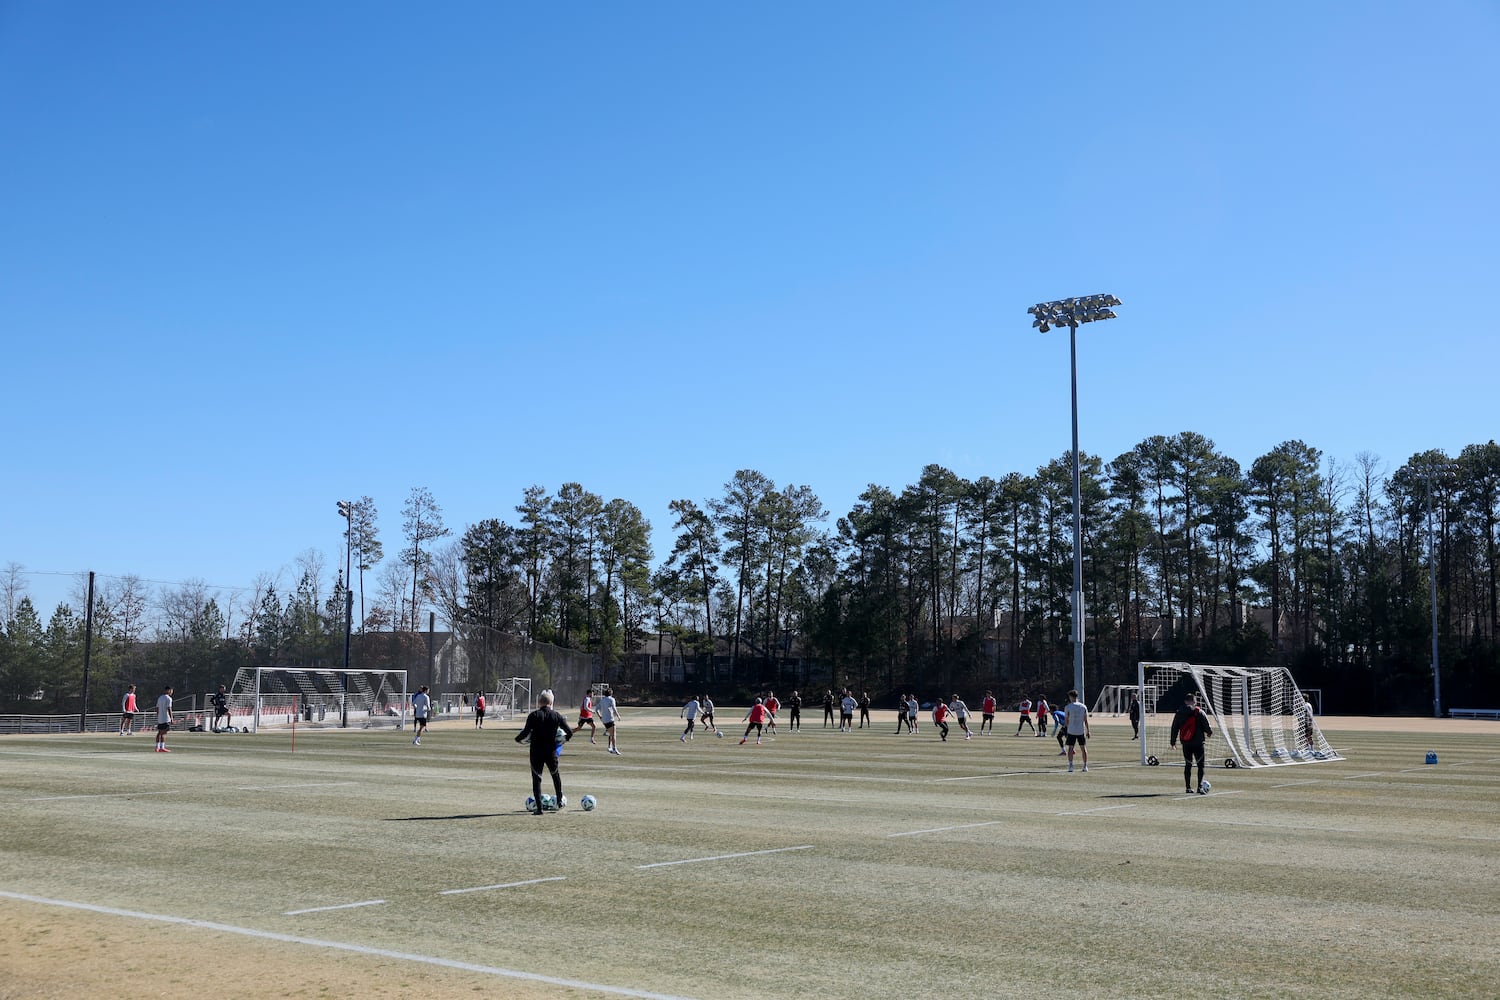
(1071, 313)
(1437, 682)
(346, 510)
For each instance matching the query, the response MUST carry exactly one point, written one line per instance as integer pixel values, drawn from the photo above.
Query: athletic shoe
(1070, 768)
(1085, 769)
(1062, 753)
(165, 750)
(742, 742)
(682, 739)
(1202, 792)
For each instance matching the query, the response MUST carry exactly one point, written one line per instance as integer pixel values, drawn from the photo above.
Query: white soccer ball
(588, 802)
(1204, 786)
(530, 804)
(548, 803)
(719, 733)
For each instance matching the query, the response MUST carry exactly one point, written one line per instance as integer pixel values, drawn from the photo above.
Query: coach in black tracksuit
(1192, 726)
(541, 728)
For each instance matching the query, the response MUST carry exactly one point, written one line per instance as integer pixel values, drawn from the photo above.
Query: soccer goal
(1259, 717)
(1114, 699)
(320, 698)
(512, 698)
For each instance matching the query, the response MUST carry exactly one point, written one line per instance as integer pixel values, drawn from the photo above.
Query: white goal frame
(1114, 699)
(283, 696)
(1257, 714)
(512, 698)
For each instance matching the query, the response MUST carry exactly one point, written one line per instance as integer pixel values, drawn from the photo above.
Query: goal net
(317, 698)
(512, 698)
(1259, 717)
(1114, 699)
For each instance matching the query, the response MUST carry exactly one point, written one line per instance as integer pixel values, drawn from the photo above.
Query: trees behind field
(945, 584)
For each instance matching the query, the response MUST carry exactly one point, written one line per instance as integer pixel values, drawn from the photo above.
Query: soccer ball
(588, 802)
(548, 803)
(1204, 787)
(530, 804)
(719, 733)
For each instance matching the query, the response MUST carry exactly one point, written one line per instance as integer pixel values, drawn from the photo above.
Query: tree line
(948, 584)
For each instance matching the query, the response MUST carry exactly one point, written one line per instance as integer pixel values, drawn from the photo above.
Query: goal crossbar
(326, 696)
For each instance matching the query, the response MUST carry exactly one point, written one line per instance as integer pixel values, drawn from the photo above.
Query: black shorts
(127, 716)
(478, 713)
(608, 726)
(420, 720)
(162, 727)
(1077, 739)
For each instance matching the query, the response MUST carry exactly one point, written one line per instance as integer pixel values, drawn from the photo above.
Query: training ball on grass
(548, 803)
(530, 804)
(1204, 787)
(719, 733)
(588, 802)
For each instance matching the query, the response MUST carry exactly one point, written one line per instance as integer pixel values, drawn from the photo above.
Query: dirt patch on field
(50, 953)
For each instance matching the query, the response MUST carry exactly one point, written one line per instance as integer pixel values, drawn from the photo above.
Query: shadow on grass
(440, 819)
(1140, 795)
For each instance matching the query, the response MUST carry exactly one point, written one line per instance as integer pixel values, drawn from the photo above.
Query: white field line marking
(359, 949)
(998, 774)
(102, 795)
(1100, 809)
(1289, 784)
(1372, 774)
(305, 784)
(723, 857)
(944, 829)
(340, 906)
(1280, 826)
(502, 885)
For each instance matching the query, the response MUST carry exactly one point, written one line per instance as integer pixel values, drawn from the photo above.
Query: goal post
(1259, 716)
(326, 698)
(512, 698)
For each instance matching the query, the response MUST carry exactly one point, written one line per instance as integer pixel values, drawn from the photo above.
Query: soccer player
(794, 715)
(1309, 726)
(1135, 716)
(940, 718)
(690, 713)
(586, 716)
(163, 719)
(707, 714)
(756, 719)
(1043, 713)
(827, 707)
(901, 714)
(609, 714)
(987, 719)
(913, 710)
(479, 710)
(127, 712)
(1025, 717)
(543, 727)
(421, 708)
(1191, 726)
(846, 712)
(1059, 723)
(864, 710)
(1076, 721)
(221, 708)
(961, 713)
(773, 705)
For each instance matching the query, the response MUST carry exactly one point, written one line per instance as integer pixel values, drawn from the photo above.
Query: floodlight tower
(1071, 313)
(346, 511)
(1436, 468)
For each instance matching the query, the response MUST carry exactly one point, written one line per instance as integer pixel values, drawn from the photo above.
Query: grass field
(835, 865)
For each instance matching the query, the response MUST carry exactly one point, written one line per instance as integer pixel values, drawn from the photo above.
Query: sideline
(723, 857)
(358, 949)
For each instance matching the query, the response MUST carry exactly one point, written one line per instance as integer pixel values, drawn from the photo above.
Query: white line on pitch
(358, 949)
(1289, 784)
(1100, 809)
(102, 795)
(944, 829)
(998, 774)
(1372, 774)
(341, 906)
(305, 784)
(723, 857)
(502, 885)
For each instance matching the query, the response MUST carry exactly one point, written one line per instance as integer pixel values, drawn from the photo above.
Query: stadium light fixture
(346, 511)
(1073, 313)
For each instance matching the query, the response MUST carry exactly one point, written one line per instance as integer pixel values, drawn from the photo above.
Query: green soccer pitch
(819, 864)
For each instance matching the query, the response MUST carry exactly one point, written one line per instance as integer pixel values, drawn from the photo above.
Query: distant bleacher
(1474, 713)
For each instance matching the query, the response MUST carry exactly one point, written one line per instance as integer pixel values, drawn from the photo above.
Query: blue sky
(255, 258)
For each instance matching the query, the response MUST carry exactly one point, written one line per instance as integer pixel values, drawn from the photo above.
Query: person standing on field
(690, 713)
(913, 712)
(220, 702)
(755, 719)
(864, 710)
(827, 708)
(987, 714)
(609, 714)
(127, 712)
(543, 727)
(1191, 726)
(773, 705)
(479, 710)
(846, 712)
(900, 713)
(1025, 717)
(1309, 726)
(163, 719)
(1043, 714)
(586, 716)
(421, 709)
(940, 718)
(794, 713)
(961, 713)
(706, 713)
(1076, 718)
(1135, 716)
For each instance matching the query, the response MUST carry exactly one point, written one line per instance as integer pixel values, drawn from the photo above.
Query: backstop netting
(1259, 717)
(317, 698)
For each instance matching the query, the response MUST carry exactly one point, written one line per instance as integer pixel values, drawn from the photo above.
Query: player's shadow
(1138, 795)
(440, 819)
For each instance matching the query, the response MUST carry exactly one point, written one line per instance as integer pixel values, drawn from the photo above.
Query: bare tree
(423, 523)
